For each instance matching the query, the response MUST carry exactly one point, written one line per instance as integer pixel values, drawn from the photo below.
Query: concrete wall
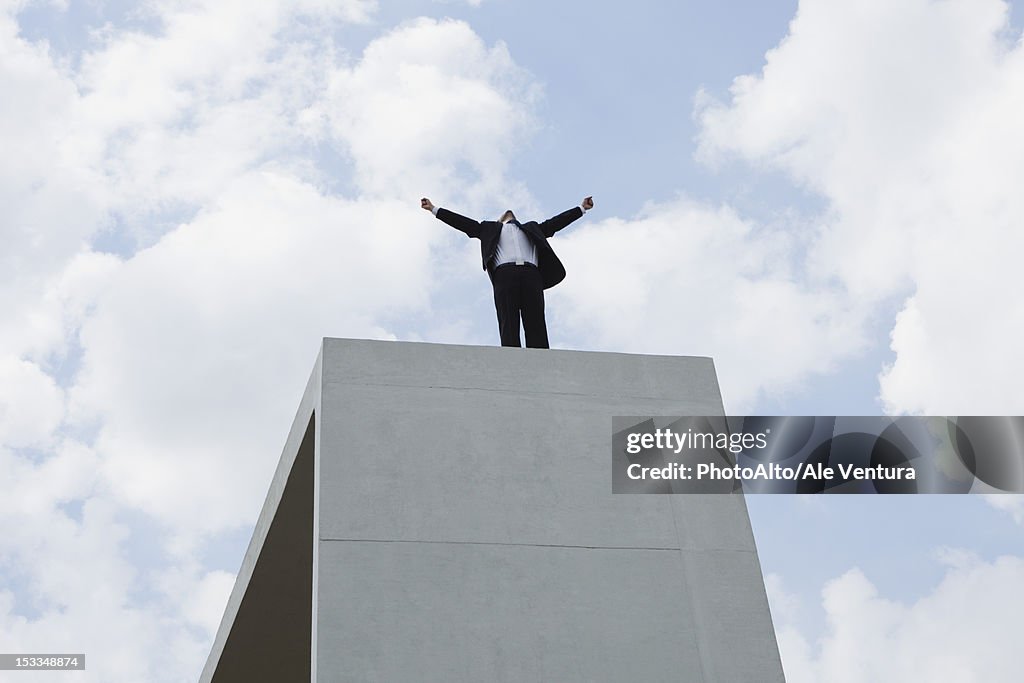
(464, 529)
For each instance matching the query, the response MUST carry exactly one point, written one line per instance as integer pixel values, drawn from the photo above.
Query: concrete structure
(444, 513)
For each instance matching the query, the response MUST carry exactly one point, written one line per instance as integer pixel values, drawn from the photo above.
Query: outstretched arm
(466, 225)
(556, 223)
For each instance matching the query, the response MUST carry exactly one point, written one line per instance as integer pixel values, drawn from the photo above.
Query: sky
(821, 195)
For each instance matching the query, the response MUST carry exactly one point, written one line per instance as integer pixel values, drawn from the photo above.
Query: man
(521, 265)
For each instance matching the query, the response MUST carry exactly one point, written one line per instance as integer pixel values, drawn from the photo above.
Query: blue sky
(823, 196)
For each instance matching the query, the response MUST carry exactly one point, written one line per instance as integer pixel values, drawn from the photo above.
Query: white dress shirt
(514, 246)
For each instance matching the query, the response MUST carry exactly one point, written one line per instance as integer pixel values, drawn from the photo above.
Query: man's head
(507, 216)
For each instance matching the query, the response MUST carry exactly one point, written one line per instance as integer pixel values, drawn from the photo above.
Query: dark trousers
(519, 292)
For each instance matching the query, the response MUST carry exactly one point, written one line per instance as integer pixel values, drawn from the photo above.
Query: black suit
(518, 290)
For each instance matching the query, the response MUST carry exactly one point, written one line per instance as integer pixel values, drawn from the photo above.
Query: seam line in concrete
(345, 382)
(517, 545)
(534, 545)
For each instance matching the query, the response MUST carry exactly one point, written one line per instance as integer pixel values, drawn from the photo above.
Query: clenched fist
(426, 204)
(588, 203)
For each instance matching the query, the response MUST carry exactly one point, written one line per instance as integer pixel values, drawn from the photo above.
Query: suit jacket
(551, 269)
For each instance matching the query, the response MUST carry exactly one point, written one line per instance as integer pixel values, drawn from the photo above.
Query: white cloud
(74, 588)
(204, 597)
(206, 606)
(31, 404)
(53, 198)
(31, 488)
(965, 630)
(904, 117)
(424, 96)
(1013, 504)
(471, 3)
(697, 280)
(174, 117)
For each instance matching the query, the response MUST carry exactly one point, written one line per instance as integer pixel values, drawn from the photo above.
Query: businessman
(521, 265)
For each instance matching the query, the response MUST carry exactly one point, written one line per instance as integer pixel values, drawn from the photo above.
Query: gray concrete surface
(461, 527)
